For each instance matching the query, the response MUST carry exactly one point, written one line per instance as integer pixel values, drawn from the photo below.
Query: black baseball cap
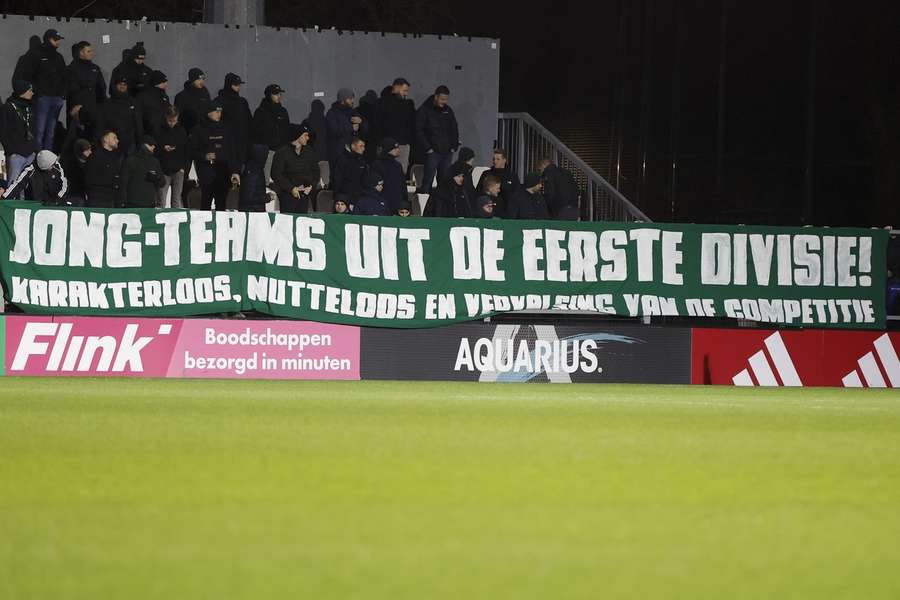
(274, 88)
(52, 34)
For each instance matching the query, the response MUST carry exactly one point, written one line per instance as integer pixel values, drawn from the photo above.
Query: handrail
(592, 176)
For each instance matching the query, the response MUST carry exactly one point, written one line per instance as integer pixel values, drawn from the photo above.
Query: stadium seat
(418, 172)
(324, 173)
(422, 201)
(324, 202)
(477, 172)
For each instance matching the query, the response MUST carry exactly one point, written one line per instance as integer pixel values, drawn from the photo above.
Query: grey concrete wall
(304, 63)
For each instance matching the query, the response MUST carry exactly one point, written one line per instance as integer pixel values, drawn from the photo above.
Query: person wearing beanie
(173, 153)
(192, 98)
(371, 201)
(46, 70)
(466, 159)
(122, 114)
(395, 117)
(295, 170)
(527, 201)
(388, 167)
(451, 199)
(86, 84)
(73, 161)
(42, 181)
(103, 173)
(509, 182)
(486, 203)
(142, 176)
(405, 209)
(437, 136)
(154, 101)
(236, 114)
(214, 157)
(349, 174)
(343, 123)
(17, 129)
(560, 191)
(271, 123)
(134, 69)
(341, 205)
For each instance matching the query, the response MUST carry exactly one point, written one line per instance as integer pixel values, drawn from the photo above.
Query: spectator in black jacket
(271, 124)
(560, 191)
(191, 100)
(437, 136)
(214, 157)
(73, 161)
(122, 114)
(46, 70)
(24, 62)
(103, 173)
(154, 101)
(527, 202)
(42, 181)
(349, 174)
(17, 129)
(319, 125)
(173, 153)
(395, 117)
(344, 124)
(486, 204)
(509, 182)
(133, 69)
(466, 161)
(254, 196)
(371, 200)
(450, 199)
(295, 170)
(236, 114)
(142, 176)
(390, 171)
(86, 85)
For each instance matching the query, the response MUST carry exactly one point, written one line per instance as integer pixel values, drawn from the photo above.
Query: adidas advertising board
(527, 353)
(796, 358)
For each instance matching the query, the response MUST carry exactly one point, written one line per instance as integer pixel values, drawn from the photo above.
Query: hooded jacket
(141, 178)
(153, 103)
(17, 127)
(86, 85)
(340, 129)
(212, 137)
(395, 117)
(290, 169)
(524, 205)
(237, 118)
(391, 172)
(449, 200)
(121, 114)
(436, 128)
(190, 102)
(73, 165)
(138, 76)
(46, 185)
(560, 190)
(103, 178)
(253, 196)
(178, 157)
(271, 125)
(371, 202)
(349, 174)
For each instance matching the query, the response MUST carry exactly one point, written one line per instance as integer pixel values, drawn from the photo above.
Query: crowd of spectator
(131, 145)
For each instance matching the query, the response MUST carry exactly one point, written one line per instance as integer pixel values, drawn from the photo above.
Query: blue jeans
(45, 118)
(15, 164)
(435, 164)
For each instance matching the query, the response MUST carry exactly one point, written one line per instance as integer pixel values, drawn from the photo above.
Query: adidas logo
(761, 366)
(874, 375)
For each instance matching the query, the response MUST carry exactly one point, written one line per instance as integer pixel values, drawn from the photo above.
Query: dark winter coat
(524, 205)
(290, 169)
(449, 200)
(271, 125)
(122, 114)
(340, 129)
(509, 184)
(210, 136)
(103, 177)
(319, 126)
(86, 84)
(349, 174)
(178, 157)
(370, 203)
(436, 128)
(468, 182)
(73, 166)
(395, 117)
(17, 127)
(560, 190)
(391, 173)
(23, 67)
(138, 76)
(46, 70)
(141, 178)
(237, 118)
(253, 196)
(191, 101)
(153, 103)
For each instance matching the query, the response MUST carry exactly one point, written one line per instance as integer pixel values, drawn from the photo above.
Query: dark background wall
(303, 62)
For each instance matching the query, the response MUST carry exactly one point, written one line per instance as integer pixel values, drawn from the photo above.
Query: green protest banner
(395, 272)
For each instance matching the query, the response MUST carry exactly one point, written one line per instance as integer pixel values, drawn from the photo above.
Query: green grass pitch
(199, 489)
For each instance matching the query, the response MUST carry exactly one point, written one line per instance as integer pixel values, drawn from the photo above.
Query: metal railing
(527, 142)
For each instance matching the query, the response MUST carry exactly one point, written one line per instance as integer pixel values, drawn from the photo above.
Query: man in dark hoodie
(395, 117)
(236, 114)
(451, 199)
(254, 195)
(560, 191)
(214, 157)
(122, 114)
(142, 176)
(173, 153)
(437, 136)
(73, 162)
(344, 124)
(349, 174)
(371, 201)
(17, 129)
(86, 85)
(509, 182)
(47, 71)
(391, 172)
(103, 173)
(154, 101)
(295, 170)
(466, 160)
(271, 124)
(133, 69)
(191, 100)
(528, 201)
